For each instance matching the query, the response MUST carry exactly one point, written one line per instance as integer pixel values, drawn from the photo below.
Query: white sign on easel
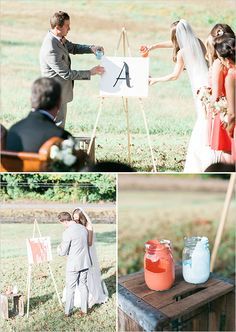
(124, 77)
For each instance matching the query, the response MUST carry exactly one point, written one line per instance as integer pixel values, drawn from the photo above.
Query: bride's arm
(179, 67)
(230, 96)
(165, 44)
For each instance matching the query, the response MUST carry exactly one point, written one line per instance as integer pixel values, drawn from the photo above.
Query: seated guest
(29, 134)
(3, 133)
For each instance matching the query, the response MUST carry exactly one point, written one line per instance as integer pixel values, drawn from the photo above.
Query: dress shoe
(68, 315)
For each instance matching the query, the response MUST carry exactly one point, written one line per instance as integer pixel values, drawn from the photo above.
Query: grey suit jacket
(75, 245)
(55, 62)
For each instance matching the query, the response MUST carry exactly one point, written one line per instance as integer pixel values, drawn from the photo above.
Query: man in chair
(29, 134)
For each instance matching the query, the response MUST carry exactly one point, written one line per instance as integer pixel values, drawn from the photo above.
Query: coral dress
(232, 73)
(218, 137)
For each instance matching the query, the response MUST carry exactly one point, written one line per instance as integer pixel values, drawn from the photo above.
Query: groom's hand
(94, 48)
(98, 70)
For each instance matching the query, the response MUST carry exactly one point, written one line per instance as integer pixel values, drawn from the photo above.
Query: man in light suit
(55, 60)
(74, 245)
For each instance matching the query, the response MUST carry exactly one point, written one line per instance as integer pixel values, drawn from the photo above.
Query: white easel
(36, 226)
(228, 197)
(125, 42)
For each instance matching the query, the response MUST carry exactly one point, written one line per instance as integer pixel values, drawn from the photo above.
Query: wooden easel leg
(148, 136)
(28, 289)
(55, 285)
(231, 188)
(125, 104)
(95, 126)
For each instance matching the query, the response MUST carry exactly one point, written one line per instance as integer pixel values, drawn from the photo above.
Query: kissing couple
(84, 284)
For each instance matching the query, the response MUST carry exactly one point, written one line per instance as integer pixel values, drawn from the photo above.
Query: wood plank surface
(194, 301)
(176, 293)
(208, 306)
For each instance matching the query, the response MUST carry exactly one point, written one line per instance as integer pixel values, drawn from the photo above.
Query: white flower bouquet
(221, 106)
(67, 156)
(204, 95)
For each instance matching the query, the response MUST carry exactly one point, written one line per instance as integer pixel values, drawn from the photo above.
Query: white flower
(69, 159)
(59, 155)
(221, 105)
(54, 151)
(67, 143)
(64, 153)
(204, 94)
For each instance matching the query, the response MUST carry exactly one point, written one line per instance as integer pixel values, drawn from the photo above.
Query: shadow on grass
(111, 284)
(105, 269)
(37, 301)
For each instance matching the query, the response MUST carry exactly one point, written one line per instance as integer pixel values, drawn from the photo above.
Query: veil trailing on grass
(193, 56)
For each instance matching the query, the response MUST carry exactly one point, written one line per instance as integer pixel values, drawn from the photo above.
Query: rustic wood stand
(11, 305)
(184, 307)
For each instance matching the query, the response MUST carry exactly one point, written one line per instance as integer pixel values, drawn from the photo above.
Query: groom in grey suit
(74, 245)
(55, 60)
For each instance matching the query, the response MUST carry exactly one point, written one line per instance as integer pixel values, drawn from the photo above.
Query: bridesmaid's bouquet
(221, 106)
(67, 157)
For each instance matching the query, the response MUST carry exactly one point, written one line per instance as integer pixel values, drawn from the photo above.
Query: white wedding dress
(199, 154)
(98, 292)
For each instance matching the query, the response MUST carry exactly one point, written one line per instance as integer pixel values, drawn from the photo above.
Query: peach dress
(232, 73)
(219, 139)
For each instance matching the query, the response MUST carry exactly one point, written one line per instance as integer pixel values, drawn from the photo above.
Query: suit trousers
(73, 278)
(61, 116)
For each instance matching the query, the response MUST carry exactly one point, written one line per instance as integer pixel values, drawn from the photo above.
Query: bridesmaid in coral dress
(217, 134)
(219, 138)
(226, 53)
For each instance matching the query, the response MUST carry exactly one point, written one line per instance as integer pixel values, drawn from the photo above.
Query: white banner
(124, 77)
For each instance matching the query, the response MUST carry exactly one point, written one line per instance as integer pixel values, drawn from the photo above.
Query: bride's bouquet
(204, 95)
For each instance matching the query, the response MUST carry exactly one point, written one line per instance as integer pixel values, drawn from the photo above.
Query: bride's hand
(152, 81)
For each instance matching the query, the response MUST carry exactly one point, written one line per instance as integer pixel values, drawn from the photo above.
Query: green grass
(145, 215)
(45, 313)
(169, 107)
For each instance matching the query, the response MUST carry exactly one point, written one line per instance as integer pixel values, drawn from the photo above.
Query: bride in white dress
(98, 292)
(190, 56)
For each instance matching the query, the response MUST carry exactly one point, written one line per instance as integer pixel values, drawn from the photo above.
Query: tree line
(64, 187)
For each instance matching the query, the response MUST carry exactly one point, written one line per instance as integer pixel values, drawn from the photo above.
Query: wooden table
(184, 307)
(11, 305)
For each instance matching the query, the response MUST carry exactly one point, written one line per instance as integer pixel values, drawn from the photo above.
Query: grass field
(172, 214)
(169, 107)
(45, 313)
